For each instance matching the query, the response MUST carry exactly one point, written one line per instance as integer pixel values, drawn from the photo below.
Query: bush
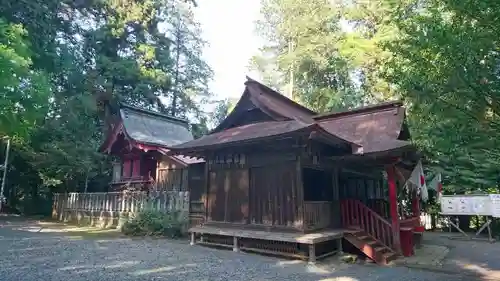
(154, 223)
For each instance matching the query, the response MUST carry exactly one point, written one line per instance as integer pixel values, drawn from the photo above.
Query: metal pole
(4, 177)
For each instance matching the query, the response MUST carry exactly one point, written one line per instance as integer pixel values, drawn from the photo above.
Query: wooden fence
(111, 209)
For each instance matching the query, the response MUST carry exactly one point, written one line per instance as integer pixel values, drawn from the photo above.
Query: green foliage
(222, 110)
(445, 64)
(302, 53)
(440, 56)
(60, 61)
(25, 91)
(155, 223)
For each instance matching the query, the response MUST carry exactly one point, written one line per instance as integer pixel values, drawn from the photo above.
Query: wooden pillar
(336, 221)
(192, 239)
(339, 245)
(393, 206)
(312, 253)
(208, 160)
(236, 247)
(300, 194)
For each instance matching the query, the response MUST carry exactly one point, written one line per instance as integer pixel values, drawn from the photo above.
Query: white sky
(228, 26)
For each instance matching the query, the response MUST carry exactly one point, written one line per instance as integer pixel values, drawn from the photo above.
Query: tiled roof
(149, 130)
(154, 128)
(270, 100)
(375, 128)
(184, 159)
(274, 104)
(246, 132)
(255, 132)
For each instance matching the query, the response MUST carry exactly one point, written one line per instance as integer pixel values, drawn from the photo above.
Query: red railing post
(356, 214)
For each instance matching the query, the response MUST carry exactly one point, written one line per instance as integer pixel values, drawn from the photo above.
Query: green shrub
(154, 223)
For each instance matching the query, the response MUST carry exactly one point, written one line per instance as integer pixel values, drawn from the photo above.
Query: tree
(222, 110)
(440, 56)
(25, 91)
(446, 66)
(303, 43)
(68, 55)
(191, 74)
(367, 28)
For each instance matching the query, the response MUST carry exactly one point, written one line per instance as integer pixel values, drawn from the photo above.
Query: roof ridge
(358, 110)
(154, 113)
(281, 96)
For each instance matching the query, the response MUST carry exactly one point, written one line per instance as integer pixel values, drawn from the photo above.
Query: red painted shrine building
(140, 140)
(274, 166)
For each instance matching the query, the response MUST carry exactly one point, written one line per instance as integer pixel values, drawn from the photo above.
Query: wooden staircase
(368, 231)
(372, 248)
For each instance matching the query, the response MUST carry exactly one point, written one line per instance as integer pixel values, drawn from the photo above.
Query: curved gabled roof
(375, 128)
(150, 127)
(147, 129)
(274, 104)
(258, 132)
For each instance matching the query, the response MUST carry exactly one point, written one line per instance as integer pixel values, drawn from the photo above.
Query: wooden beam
(349, 171)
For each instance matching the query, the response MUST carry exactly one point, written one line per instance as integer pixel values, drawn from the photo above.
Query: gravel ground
(474, 256)
(28, 255)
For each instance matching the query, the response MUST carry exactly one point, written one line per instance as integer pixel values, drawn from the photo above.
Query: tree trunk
(177, 62)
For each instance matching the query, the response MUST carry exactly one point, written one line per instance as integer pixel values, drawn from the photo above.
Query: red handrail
(357, 215)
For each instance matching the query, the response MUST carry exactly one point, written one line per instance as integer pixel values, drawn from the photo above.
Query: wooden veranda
(280, 178)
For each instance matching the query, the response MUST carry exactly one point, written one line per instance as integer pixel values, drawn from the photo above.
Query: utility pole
(4, 177)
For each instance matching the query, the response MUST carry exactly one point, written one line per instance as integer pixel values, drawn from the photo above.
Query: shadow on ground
(471, 257)
(46, 226)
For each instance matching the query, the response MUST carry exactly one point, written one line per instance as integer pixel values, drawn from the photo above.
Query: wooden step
(365, 237)
(382, 249)
(371, 248)
(390, 256)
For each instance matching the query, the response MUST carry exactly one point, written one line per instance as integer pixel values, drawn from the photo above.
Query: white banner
(495, 205)
(479, 205)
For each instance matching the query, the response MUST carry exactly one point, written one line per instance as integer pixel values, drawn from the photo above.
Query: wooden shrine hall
(282, 179)
(140, 140)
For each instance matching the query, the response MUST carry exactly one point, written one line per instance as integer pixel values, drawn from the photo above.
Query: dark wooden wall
(369, 190)
(197, 193)
(263, 185)
(260, 188)
(228, 195)
(362, 188)
(274, 196)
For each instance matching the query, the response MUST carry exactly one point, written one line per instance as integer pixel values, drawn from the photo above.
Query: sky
(228, 26)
